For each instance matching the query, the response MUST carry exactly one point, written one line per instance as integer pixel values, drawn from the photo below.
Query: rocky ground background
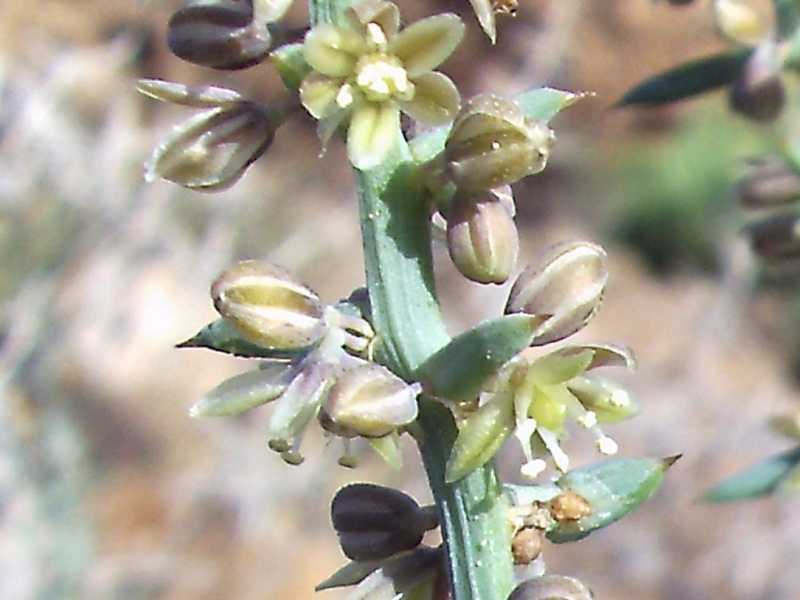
(109, 490)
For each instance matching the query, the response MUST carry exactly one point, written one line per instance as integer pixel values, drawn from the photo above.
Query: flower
(367, 71)
(324, 378)
(211, 150)
(533, 395)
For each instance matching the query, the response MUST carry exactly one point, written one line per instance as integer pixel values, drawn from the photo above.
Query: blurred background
(109, 490)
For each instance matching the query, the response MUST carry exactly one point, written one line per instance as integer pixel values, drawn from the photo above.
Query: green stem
(395, 227)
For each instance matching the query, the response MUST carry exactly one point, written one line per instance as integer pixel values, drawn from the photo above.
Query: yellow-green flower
(367, 71)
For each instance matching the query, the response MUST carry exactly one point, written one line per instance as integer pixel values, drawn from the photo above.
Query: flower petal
(374, 129)
(198, 96)
(485, 13)
(427, 43)
(245, 391)
(385, 14)
(318, 95)
(436, 99)
(332, 50)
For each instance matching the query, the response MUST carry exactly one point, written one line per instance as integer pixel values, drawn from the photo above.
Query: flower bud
(220, 35)
(769, 183)
(492, 144)
(566, 288)
(212, 150)
(269, 306)
(610, 402)
(526, 545)
(759, 93)
(738, 22)
(776, 239)
(370, 401)
(375, 522)
(551, 587)
(482, 239)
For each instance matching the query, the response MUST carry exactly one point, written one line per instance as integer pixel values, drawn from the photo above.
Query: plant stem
(395, 227)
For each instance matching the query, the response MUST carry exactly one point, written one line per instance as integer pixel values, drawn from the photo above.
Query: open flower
(534, 395)
(368, 71)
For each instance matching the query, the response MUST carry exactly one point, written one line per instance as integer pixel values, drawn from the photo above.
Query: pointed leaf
(761, 479)
(689, 79)
(459, 370)
(352, 573)
(221, 336)
(388, 448)
(542, 104)
(613, 489)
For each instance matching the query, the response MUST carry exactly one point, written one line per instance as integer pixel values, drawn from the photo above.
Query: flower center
(382, 77)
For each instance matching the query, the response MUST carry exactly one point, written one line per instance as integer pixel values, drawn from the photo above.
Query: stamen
(588, 419)
(550, 440)
(347, 459)
(376, 35)
(605, 445)
(532, 469)
(345, 96)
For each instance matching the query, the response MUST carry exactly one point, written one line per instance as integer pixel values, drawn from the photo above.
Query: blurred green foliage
(675, 192)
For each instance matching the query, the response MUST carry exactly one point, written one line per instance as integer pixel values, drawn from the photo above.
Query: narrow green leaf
(480, 437)
(352, 573)
(291, 64)
(613, 489)
(542, 104)
(689, 79)
(761, 479)
(221, 336)
(459, 370)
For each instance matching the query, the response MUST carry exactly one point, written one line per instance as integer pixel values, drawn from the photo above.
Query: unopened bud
(526, 545)
(566, 288)
(493, 144)
(569, 506)
(370, 401)
(759, 93)
(551, 587)
(375, 522)
(738, 22)
(769, 183)
(269, 306)
(776, 239)
(220, 35)
(482, 239)
(213, 149)
(609, 401)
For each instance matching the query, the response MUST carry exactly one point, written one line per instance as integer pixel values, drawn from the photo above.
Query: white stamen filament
(550, 440)
(345, 96)
(533, 468)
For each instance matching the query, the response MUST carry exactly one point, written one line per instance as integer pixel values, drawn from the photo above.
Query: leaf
(459, 370)
(429, 144)
(787, 17)
(291, 64)
(221, 336)
(613, 489)
(480, 437)
(761, 479)
(689, 79)
(542, 104)
(352, 573)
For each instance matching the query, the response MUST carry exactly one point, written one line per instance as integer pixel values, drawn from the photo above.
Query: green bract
(366, 71)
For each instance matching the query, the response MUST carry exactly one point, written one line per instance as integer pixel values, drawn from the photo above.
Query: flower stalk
(405, 314)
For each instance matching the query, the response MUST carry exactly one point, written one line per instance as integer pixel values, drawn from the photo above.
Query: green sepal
(542, 104)
(762, 479)
(388, 448)
(221, 336)
(290, 62)
(245, 391)
(480, 437)
(430, 144)
(352, 573)
(689, 79)
(459, 370)
(613, 489)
